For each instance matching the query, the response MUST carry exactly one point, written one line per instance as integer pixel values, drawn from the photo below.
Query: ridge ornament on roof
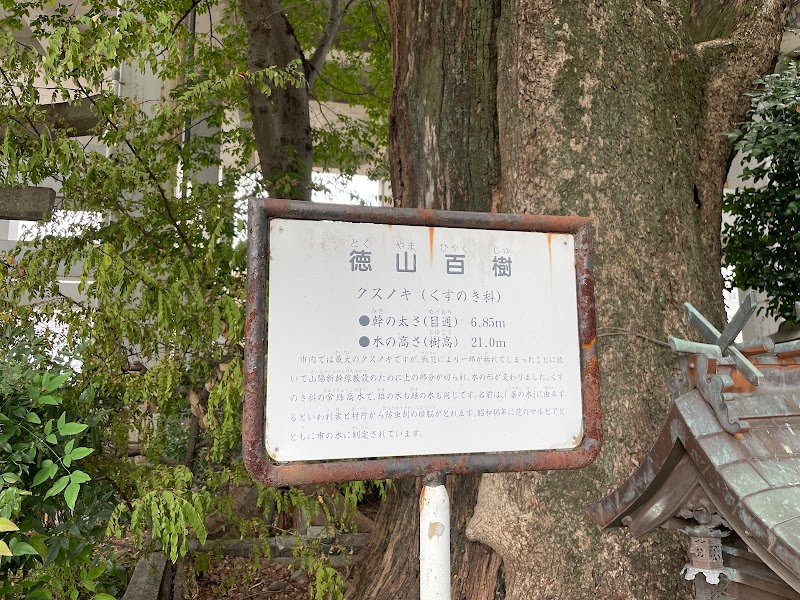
(699, 371)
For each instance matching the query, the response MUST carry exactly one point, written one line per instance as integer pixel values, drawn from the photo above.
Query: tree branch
(280, 119)
(17, 102)
(185, 15)
(151, 175)
(749, 51)
(135, 450)
(332, 27)
(191, 444)
(612, 331)
(76, 118)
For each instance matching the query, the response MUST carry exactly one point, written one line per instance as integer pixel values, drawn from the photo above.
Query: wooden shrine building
(725, 468)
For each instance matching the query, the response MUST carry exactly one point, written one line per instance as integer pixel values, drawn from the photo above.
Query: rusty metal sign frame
(268, 472)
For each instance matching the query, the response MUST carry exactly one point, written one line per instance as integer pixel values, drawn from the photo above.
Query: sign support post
(434, 539)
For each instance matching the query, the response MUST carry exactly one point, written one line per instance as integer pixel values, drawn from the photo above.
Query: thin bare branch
(332, 27)
(612, 331)
(17, 102)
(135, 450)
(151, 175)
(185, 15)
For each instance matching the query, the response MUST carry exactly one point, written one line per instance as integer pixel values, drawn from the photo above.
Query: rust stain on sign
(431, 233)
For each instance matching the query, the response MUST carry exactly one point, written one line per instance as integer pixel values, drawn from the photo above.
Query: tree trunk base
(388, 566)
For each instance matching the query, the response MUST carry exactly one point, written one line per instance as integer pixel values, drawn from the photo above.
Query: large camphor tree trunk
(444, 154)
(612, 109)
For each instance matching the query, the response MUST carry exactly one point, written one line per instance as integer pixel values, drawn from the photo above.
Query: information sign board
(397, 340)
(404, 342)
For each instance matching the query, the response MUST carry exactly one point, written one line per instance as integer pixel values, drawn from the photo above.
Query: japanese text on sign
(404, 340)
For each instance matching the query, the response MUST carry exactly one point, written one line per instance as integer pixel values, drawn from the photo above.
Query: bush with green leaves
(169, 508)
(51, 513)
(762, 240)
(154, 242)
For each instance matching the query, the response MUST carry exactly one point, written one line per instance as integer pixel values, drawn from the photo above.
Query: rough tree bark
(448, 115)
(280, 120)
(612, 109)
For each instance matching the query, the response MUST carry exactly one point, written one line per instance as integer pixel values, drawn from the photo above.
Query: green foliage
(354, 492)
(358, 73)
(157, 248)
(328, 583)
(162, 273)
(286, 500)
(47, 518)
(168, 507)
(762, 242)
(224, 406)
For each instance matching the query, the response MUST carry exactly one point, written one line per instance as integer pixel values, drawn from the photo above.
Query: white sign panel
(393, 340)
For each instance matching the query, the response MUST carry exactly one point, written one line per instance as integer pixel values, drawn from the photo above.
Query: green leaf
(39, 543)
(80, 453)
(87, 395)
(49, 400)
(71, 428)
(11, 478)
(59, 485)
(95, 572)
(32, 417)
(23, 549)
(71, 494)
(56, 382)
(7, 525)
(51, 439)
(4, 549)
(41, 476)
(103, 597)
(79, 477)
(52, 552)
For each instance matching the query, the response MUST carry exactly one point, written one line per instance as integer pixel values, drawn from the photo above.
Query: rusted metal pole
(434, 539)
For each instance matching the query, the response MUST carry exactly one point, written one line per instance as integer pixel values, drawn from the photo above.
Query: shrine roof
(742, 453)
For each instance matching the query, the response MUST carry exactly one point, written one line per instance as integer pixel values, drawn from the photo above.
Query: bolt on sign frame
(265, 470)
